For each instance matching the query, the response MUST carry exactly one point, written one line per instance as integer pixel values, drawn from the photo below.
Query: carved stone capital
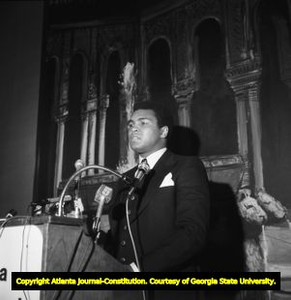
(104, 102)
(183, 90)
(244, 74)
(91, 105)
(62, 114)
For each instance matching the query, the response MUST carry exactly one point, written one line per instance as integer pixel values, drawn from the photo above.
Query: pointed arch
(159, 73)
(213, 110)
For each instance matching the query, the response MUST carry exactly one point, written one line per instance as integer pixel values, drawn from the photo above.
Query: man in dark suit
(170, 212)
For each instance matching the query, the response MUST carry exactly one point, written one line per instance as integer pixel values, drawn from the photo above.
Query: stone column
(255, 120)
(92, 120)
(84, 137)
(61, 119)
(62, 110)
(104, 104)
(243, 78)
(183, 92)
(242, 132)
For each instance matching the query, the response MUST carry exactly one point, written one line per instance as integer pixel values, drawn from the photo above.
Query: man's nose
(133, 128)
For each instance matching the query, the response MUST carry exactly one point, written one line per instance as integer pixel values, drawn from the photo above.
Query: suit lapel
(157, 174)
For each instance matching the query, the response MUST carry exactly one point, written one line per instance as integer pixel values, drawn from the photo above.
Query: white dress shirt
(153, 158)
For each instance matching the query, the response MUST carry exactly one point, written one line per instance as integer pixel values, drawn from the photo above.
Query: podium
(54, 244)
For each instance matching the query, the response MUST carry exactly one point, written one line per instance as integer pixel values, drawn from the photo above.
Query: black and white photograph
(146, 143)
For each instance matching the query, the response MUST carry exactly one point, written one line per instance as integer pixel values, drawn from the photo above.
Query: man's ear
(164, 132)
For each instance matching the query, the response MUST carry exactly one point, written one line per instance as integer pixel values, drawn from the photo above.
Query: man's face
(145, 136)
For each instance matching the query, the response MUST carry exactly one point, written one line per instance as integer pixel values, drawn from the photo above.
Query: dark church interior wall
(29, 121)
(21, 24)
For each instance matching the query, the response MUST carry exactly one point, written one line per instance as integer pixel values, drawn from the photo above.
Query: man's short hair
(163, 115)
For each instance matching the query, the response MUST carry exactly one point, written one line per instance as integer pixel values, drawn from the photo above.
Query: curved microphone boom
(127, 180)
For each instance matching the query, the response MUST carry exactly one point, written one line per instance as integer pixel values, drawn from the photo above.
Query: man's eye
(144, 122)
(129, 126)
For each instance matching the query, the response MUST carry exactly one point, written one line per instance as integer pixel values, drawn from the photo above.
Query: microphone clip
(127, 180)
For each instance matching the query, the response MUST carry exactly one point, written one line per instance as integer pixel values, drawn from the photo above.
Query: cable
(26, 294)
(57, 294)
(130, 233)
(132, 241)
(82, 265)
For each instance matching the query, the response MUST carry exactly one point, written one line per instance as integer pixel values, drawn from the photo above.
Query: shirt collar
(153, 158)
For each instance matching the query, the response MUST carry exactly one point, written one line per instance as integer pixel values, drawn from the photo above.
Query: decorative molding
(160, 26)
(235, 30)
(203, 8)
(54, 44)
(63, 113)
(92, 91)
(113, 37)
(104, 101)
(244, 74)
(183, 90)
(230, 169)
(91, 105)
(240, 31)
(81, 39)
(219, 161)
(183, 62)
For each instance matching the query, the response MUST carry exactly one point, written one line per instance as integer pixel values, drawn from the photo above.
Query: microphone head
(12, 212)
(103, 191)
(142, 169)
(79, 164)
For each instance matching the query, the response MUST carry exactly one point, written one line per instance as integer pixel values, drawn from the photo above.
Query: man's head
(149, 127)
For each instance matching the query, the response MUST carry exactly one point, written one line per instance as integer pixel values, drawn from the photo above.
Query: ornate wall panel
(81, 40)
(182, 47)
(235, 30)
(156, 27)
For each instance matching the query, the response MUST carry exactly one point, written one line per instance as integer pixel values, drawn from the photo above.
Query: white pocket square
(167, 181)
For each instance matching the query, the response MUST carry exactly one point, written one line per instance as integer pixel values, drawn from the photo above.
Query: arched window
(159, 74)
(213, 109)
(112, 136)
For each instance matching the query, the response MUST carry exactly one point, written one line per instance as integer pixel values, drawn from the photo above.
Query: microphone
(142, 169)
(12, 212)
(103, 195)
(79, 208)
(79, 164)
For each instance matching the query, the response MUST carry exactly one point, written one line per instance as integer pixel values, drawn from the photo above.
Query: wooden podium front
(54, 244)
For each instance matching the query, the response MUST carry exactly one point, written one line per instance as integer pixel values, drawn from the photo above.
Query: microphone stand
(61, 201)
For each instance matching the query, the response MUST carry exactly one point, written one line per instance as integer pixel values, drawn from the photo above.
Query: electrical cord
(130, 233)
(132, 240)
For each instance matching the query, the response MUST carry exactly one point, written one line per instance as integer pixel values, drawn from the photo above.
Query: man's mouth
(134, 137)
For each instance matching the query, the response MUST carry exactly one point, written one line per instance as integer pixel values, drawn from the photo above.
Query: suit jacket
(169, 216)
